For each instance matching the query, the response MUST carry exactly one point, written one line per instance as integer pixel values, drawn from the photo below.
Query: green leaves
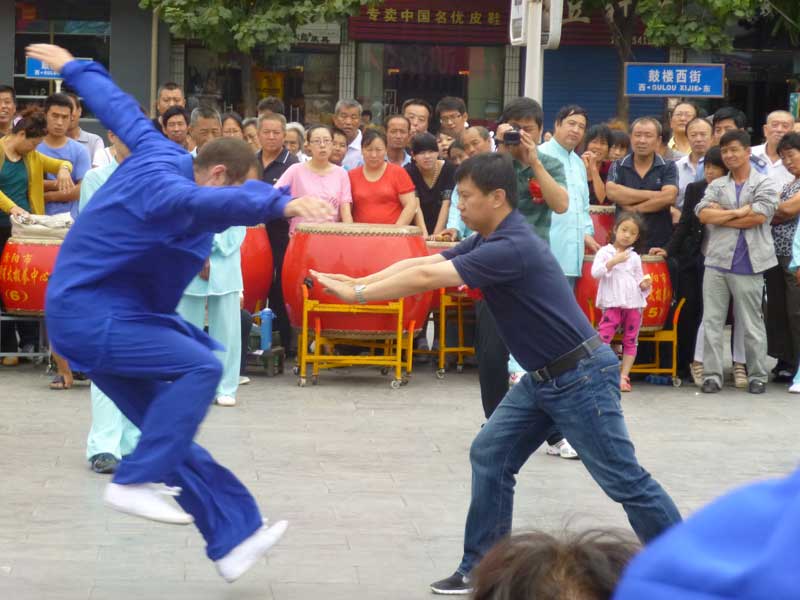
(243, 25)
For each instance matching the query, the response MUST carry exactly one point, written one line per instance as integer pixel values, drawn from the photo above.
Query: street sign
(518, 23)
(675, 79)
(36, 69)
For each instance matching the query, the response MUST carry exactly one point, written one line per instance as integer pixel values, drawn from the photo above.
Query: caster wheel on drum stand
(301, 382)
(440, 374)
(676, 382)
(384, 370)
(395, 384)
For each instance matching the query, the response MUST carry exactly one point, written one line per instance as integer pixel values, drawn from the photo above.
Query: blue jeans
(584, 404)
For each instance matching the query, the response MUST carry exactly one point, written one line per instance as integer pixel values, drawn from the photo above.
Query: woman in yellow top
(22, 171)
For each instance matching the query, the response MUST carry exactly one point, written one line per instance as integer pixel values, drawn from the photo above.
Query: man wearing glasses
(347, 117)
(452, 116)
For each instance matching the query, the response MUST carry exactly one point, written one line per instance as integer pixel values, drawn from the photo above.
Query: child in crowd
(339, 147)
(456, 153)
(319, 177)
(444, 141)
(537, 565)
(620, 145)
(622, 290)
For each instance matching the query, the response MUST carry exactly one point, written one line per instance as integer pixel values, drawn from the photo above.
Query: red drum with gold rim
(354, 249)
(654, 315)
(603, 222)
(25, 268)
(256, 256)
(435, 247)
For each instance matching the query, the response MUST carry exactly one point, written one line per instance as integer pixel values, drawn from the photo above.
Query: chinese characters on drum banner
(20, 279)
(659, 300)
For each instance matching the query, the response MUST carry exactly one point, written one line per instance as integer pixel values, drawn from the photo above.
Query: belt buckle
(541, 375)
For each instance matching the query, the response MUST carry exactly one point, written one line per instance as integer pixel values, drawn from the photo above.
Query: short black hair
(790, 141)
(620, 138)
(730, 112)
(491, 171)
(714, 157)
(451, 103)
(366, 113)
(571, 110)
(7, 89)
(232, 115)
(520, 109)
(599, 132)
(168, 85)
(58, 100)
(173, 111)
(666, 133)
(271, 104)
(417, 102)
(336, 131)
(735, 135)
(424, 142)
(371, 134)
(237, 156)
(76, 101)
(391, 118)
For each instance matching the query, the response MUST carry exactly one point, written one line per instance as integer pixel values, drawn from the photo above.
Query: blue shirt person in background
(572, 381)
(56, 144)
(111, 311)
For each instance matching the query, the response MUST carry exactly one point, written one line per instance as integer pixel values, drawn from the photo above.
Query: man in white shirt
(690, 168)
(347, 117)
(779, 123)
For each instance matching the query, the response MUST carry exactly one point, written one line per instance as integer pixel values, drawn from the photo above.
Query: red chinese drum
(654, 314)
(256, 268)
(355, 249)
(438, 248)
(25, 268)
(603, 221)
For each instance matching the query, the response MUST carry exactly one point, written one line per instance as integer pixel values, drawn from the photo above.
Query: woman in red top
(382, 192)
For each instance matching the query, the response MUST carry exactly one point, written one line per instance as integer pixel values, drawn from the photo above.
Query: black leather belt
(567, 362)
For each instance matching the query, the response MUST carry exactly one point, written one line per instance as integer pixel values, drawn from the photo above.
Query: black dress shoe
(756, 387)
(104, 463)
(710, 387)
(783, 376)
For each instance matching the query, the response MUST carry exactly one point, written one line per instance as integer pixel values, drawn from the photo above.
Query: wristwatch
(359, 290)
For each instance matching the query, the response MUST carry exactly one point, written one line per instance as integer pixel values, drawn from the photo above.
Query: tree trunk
(248, 91)
(622, 28)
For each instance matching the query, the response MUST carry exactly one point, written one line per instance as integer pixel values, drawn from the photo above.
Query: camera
(512, 138)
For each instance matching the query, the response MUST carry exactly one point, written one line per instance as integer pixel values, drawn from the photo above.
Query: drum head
(358, 229)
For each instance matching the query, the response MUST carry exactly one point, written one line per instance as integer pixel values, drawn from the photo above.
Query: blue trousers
(584, 404)
(163, 375)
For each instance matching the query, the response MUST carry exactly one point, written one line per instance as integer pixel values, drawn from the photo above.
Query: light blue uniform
(454, 220)
(221, 291)
(793, 266)
(111, 431)
(568, 229)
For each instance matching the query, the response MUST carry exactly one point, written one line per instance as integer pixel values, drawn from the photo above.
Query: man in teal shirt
(111, 435)
(572, 230)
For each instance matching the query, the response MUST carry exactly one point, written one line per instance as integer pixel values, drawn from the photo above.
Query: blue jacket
(148, 230)
(741, 546)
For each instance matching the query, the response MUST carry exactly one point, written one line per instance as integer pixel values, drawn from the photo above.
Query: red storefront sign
(441, 22)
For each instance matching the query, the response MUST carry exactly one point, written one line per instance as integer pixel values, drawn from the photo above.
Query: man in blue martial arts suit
(111, 311)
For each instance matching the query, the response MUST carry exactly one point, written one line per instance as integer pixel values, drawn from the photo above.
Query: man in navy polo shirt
(645, 183)
(572, 380)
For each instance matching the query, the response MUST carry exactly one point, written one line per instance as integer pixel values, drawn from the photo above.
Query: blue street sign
(675, 79)
(36, 69)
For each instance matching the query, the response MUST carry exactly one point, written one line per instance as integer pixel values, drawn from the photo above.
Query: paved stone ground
(374, 482)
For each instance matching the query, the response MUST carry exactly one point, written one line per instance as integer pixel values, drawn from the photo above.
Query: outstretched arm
(118, 111)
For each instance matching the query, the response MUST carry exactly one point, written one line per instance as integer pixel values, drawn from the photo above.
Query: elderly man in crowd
(347, 117)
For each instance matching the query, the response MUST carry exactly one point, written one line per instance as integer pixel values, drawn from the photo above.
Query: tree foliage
(243, 25)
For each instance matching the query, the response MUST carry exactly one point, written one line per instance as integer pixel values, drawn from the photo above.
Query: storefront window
(81, 26)
(306, 80)
(389, 74)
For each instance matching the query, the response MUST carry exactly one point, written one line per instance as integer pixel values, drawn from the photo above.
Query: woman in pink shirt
(622, 290)
(319, 177)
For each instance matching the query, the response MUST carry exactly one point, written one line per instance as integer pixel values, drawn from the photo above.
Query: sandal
(59, 383)
(624, 383)
(696, 369)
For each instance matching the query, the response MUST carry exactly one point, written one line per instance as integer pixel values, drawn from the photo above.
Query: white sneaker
(562, 449)
(244, 380)
(794, 388)
(147, 500)
(236, 562)
(225, 400)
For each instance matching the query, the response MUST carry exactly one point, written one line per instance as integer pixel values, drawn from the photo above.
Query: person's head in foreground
(540, 566)
(487, 191)
(225, 161)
